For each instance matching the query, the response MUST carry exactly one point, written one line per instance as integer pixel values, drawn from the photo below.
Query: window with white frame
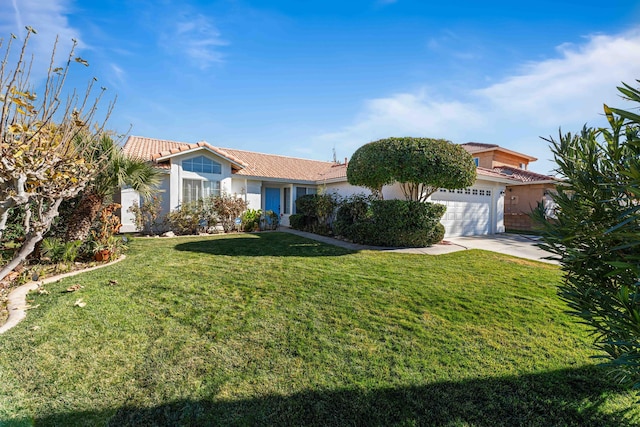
(196, 189)
(201, 164)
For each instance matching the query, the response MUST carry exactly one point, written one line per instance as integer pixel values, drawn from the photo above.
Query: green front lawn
(272, 328)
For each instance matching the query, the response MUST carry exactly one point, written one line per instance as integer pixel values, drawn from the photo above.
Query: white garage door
(468, 211)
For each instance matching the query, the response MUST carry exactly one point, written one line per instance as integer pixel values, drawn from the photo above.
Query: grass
(274, 329)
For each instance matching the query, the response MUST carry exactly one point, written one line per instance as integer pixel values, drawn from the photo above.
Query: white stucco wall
(128, 196)
(178, 174)
(344, 189)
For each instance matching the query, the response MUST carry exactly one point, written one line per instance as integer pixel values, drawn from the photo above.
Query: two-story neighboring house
(274, 182)
(525, 192)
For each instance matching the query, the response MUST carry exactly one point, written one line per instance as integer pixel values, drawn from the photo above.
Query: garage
(468, 212)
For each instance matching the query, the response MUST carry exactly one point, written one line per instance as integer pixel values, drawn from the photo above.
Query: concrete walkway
(517, 245)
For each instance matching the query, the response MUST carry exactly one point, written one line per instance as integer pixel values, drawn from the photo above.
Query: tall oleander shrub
(595, 233)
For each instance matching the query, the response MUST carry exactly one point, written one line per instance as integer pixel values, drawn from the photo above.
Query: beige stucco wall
(519, 201)
(492, 159)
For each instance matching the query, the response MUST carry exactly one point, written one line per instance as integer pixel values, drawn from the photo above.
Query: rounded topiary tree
(419, 165)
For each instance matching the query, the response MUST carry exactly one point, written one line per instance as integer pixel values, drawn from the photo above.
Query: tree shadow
(263, 244)
(571, 397)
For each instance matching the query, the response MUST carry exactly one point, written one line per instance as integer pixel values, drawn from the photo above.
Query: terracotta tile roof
(336, 171)
(494, 174)
(253, 164)
(272, 166)
(144, 148)
(523, 175)
(154, 149)
(279, 167)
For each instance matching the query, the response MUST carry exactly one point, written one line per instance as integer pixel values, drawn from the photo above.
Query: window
(201, 164)
(287, 200)
(474, 191)
(488, 192)
(482, 192)
(467, 191)
(476, 161)
(523, 166)
(459, 191)
(195, 189)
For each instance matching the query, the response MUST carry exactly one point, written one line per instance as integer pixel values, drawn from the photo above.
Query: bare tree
(46, 144)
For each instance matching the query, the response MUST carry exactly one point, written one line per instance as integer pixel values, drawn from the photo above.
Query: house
(274, 182)
(527, 189)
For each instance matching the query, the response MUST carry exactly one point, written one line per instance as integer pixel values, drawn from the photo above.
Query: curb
(17, 298)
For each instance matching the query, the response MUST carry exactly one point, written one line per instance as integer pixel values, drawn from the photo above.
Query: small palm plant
(121, 170)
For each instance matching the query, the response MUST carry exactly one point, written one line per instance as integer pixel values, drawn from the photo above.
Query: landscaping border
(17, 298)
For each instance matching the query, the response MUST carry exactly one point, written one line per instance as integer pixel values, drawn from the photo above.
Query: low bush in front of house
(297, 221)
(205, 214)
(391, 223)
(351, 211)
(315, 213)
(185, 219)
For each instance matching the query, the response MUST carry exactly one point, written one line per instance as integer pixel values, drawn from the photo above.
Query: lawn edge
(17, 298)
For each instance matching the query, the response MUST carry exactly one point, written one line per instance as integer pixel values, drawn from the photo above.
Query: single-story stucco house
(274, 182)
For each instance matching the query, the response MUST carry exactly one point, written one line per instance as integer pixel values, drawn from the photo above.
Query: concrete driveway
(518, 245)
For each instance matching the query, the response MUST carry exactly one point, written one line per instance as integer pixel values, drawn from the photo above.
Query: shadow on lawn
(263, 244)
(570, 397)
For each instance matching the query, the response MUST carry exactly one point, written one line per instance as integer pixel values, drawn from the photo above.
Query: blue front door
(272, 200)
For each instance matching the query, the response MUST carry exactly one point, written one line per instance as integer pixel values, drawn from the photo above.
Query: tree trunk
(27, 247)
(85, 213)
(32, 239)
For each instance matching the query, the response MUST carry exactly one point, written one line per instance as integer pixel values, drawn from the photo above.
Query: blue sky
(301, 78)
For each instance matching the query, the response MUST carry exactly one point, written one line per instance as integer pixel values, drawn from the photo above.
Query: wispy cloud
(49, 18)
(116, 76)
(195, 36)
(566, 91)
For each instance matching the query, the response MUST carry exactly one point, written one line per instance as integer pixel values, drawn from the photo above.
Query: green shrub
(318, 212)
(398, 223)
(437, 234)
(419, 165)
(58, 250)
(250, 219)
(297, 221)
(351, 210)
(269, 220)
(595, 232)
(306, 205)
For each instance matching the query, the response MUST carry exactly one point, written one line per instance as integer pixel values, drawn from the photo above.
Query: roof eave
(331, 180)
(543, 181)
(279, 180)
(506, 150)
